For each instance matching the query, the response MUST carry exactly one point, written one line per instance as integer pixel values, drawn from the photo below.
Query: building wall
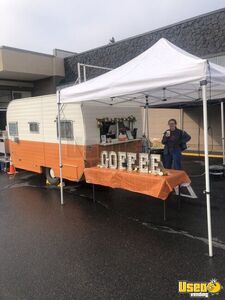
(45, 86)
(158, 119)
(203, 36)
(219, 60)
(62, 53)
(20, 64)
(192, 123)
(7, 93)
(26, 73)
(2, 120)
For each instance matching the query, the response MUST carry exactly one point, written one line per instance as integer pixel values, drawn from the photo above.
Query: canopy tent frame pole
(60, 147)
(181, 119)
(84, 66)
(207, 178)
(144, 123)
(84, 71)
(147, 120)
(78, 72)
(222, 130)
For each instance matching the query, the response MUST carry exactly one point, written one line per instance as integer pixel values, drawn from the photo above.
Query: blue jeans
(172, 160)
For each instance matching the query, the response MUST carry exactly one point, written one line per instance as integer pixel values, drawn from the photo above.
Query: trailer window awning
(165, 73)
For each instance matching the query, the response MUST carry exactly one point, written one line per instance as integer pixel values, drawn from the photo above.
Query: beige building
(191, 120)
(26, 73)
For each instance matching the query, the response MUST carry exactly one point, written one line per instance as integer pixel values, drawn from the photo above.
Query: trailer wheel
(50, 176)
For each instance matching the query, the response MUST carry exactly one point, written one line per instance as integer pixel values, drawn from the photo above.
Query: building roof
(24, 51)
(203, 36)
(22, 65)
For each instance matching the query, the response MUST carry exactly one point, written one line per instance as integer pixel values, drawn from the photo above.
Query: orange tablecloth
(155, 186)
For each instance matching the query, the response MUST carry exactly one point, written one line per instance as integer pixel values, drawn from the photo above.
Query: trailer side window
(34, 127)
(66, 129)
(13, 128)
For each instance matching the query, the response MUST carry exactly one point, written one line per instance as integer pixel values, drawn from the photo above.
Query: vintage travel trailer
(86, 129)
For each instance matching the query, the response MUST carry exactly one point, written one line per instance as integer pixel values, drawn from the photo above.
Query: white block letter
(112, 160)
(143, 162)
(104, 159)
(122, 159)
(155, 159)
(131, 158)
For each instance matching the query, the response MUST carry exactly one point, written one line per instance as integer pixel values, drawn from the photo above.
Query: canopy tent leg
(181, 119)
(207, 178)
(147, 122)
(222, 130)
(78, 72)
(144, 123)
(146, 141)
(60, 148)
(84, 70)
(147, 125)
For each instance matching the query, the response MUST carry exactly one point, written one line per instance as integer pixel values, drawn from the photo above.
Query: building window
(17, 95)
(66, 129)
(34, 127)
(13, 128)
(20, 94)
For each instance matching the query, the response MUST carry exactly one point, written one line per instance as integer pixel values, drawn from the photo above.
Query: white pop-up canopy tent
(161, 75)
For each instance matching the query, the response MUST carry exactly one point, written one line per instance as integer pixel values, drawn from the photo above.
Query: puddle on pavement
(216, 242)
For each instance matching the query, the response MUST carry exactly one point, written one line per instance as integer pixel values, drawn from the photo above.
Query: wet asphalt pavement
(116, 248)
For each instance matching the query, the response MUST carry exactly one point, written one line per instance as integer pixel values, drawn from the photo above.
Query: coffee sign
(128, 161)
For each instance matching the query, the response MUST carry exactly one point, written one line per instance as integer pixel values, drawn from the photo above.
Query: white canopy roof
(164, 73)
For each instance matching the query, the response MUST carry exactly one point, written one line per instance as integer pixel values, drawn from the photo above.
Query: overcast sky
(42, 25)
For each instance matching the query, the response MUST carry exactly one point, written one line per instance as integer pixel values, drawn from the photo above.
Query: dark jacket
(176, 141)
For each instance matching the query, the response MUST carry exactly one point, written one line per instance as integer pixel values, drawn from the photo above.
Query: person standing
(174, 141)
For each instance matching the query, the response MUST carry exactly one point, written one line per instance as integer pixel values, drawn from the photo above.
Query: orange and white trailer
(33, 135)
